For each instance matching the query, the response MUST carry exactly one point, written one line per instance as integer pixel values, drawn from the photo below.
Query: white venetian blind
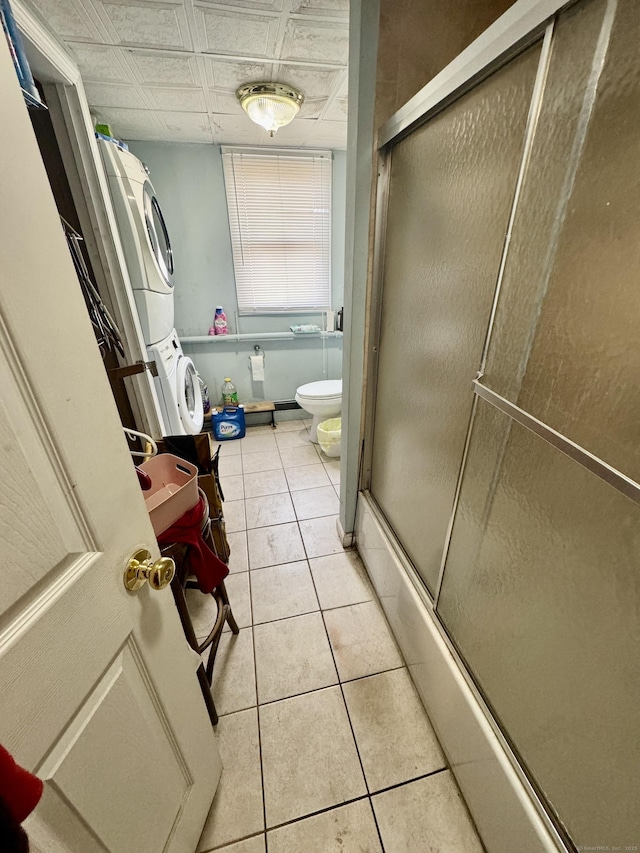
(280, 218)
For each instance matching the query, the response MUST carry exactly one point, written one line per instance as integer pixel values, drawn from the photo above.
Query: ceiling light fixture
(270, 105)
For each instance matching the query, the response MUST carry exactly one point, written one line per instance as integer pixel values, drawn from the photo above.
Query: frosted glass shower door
(451, 189)
(566, 343)
(541, 588)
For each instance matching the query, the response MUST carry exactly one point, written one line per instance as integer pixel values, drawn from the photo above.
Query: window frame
(303, 276)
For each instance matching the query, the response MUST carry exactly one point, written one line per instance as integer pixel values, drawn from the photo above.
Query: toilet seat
(326, 389)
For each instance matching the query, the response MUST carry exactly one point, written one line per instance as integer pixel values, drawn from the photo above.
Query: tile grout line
(375, 820)
(295, 615)
(255, 665)
(320, 609)
(410, 781)
(255, 673)
(278, 523)
(255, 660)
(307, 558)
(353, 734)
(307, 692)
(258, 704)
(346, 706)
(349, 802)
(257, 707)
(222, 847)
(335, 663)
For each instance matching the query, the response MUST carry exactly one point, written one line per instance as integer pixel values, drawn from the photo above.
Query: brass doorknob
(141, 569)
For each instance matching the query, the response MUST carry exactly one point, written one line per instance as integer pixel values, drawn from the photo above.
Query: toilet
(322, 399)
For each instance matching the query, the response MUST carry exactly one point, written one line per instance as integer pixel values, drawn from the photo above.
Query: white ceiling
(168, 69)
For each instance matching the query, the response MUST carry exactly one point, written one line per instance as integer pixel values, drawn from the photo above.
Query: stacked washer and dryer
(147, 249)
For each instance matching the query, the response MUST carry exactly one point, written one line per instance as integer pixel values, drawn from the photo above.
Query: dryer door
(158, 234)
(188, 396)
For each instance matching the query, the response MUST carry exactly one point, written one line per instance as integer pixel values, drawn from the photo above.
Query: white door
(98, 692)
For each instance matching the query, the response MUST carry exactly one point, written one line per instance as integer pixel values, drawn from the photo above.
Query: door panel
(24, 532)
(130, 765)
(566, 346)
(451, 189)
(541, 593)
(54, 827)
(98, 692)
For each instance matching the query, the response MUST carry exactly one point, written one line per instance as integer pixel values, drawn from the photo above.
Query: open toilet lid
(321, 390)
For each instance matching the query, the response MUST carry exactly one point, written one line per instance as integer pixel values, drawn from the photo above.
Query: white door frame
(72, 123)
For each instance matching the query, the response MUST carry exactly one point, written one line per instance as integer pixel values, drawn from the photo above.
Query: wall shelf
(254, 336)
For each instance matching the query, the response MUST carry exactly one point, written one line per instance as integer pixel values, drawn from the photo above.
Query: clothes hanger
(132, 434)
(143, 478)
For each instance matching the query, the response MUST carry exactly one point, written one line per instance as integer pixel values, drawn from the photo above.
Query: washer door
(158, 234)
(188, 396)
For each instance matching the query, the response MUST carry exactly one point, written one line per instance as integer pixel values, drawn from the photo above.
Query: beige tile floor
(325, 743)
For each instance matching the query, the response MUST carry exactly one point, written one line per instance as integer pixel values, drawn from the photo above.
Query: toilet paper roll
(257, 368)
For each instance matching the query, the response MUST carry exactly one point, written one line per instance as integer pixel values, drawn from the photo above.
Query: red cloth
(205, 565)
(20, 789)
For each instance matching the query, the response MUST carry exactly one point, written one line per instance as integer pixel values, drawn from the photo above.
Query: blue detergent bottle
(229, 423)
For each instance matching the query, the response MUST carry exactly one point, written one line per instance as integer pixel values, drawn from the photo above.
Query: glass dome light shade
(270, 105)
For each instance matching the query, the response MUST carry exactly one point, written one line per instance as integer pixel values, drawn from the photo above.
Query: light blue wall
(190, 186)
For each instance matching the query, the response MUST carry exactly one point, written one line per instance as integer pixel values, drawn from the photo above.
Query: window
(279, 206)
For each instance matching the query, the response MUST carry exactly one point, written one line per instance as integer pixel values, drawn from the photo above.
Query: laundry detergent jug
(229, 423)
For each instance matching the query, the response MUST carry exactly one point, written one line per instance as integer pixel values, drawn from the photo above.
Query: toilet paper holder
(258, 351)
(257, 367)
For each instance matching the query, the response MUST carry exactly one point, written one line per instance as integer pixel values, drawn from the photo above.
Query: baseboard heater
(284, 405)
(270, 407)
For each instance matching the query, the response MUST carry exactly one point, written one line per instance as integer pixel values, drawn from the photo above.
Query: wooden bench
(264, 406)
(251, 409)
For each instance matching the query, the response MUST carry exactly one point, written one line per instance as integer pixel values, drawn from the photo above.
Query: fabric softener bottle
(220, 321)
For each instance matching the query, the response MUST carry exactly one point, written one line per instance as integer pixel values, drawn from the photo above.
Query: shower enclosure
(505, 475)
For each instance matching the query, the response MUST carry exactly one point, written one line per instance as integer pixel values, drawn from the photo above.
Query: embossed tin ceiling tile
(176, 99)
(329, 134)
(236, 130)
(130, 124)
(236, 33)
(343, 91)
(162, 68)
(312, 109)
(158, 24)
(338, 110)
(100, 63)
(253, 5)
(296, 133)
(193, 136)
(326, 8)
(107, 95)
(312, 82)
(69, 19)
(230, 75)
(317, 40)
(226, 103)
(185, 123)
